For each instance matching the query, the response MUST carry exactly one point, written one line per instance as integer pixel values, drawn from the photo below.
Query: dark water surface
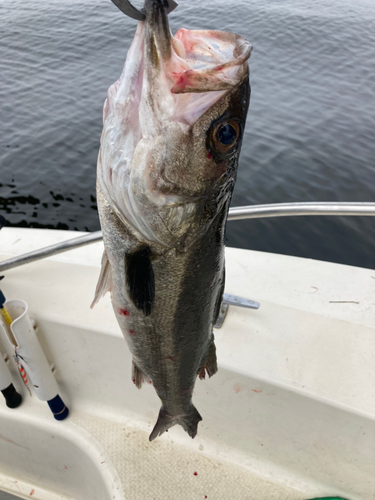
(310, 133)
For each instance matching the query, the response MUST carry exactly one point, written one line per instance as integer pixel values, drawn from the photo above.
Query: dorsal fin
(140, 279)
(104, 281)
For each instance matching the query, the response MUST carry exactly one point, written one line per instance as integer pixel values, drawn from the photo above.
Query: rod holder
(31, 358)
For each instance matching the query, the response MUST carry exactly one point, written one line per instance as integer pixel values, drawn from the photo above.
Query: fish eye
(225, 135)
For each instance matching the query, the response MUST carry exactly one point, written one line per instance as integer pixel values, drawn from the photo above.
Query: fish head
(173, 128)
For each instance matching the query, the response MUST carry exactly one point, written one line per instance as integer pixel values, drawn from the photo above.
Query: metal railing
(293, 209)
(235, 213)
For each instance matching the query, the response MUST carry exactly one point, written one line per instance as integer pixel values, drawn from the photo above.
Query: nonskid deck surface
(290, 414)
(162, 470)
(168, 470)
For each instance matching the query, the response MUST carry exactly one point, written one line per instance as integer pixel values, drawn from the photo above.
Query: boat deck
(290, 414)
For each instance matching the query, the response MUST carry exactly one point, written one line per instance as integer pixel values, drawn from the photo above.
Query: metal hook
(128, 9)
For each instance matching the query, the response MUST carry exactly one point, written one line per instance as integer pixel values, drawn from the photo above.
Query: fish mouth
(174, 70)
(193, 61)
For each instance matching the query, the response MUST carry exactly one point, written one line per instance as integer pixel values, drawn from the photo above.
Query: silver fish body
(173, 126)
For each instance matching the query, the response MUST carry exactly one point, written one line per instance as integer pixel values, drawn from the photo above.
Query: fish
(173, 125)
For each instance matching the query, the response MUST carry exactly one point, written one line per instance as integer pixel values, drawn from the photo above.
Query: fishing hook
(128, 9)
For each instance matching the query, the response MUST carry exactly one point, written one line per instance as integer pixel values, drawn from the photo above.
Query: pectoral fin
(138, 376)
(140, 279)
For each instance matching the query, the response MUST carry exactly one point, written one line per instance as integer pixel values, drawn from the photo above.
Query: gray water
(310, 132)
(7, 496)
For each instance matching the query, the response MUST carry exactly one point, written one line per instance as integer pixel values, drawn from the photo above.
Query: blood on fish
(189, 46)
(131, 333)
(123, 312)
(170, 358)
(182, 81)
(182, 35)
(186, 391)
(195, 473)
(209, 155)
(186, 79)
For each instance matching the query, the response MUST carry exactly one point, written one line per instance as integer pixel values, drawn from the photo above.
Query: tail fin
(189, 422)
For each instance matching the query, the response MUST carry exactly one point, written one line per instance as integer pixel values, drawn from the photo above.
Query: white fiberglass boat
(289, 415)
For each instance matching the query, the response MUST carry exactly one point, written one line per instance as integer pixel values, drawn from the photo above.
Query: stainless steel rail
(42, 253)
(309, 208)
(235, 213)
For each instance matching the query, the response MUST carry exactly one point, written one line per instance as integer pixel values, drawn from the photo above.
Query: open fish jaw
(173, 126)
(215, 60)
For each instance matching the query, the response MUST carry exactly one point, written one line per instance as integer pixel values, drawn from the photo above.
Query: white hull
(289, 416)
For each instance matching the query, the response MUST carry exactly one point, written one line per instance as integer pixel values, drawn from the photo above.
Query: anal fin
(211, 363)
